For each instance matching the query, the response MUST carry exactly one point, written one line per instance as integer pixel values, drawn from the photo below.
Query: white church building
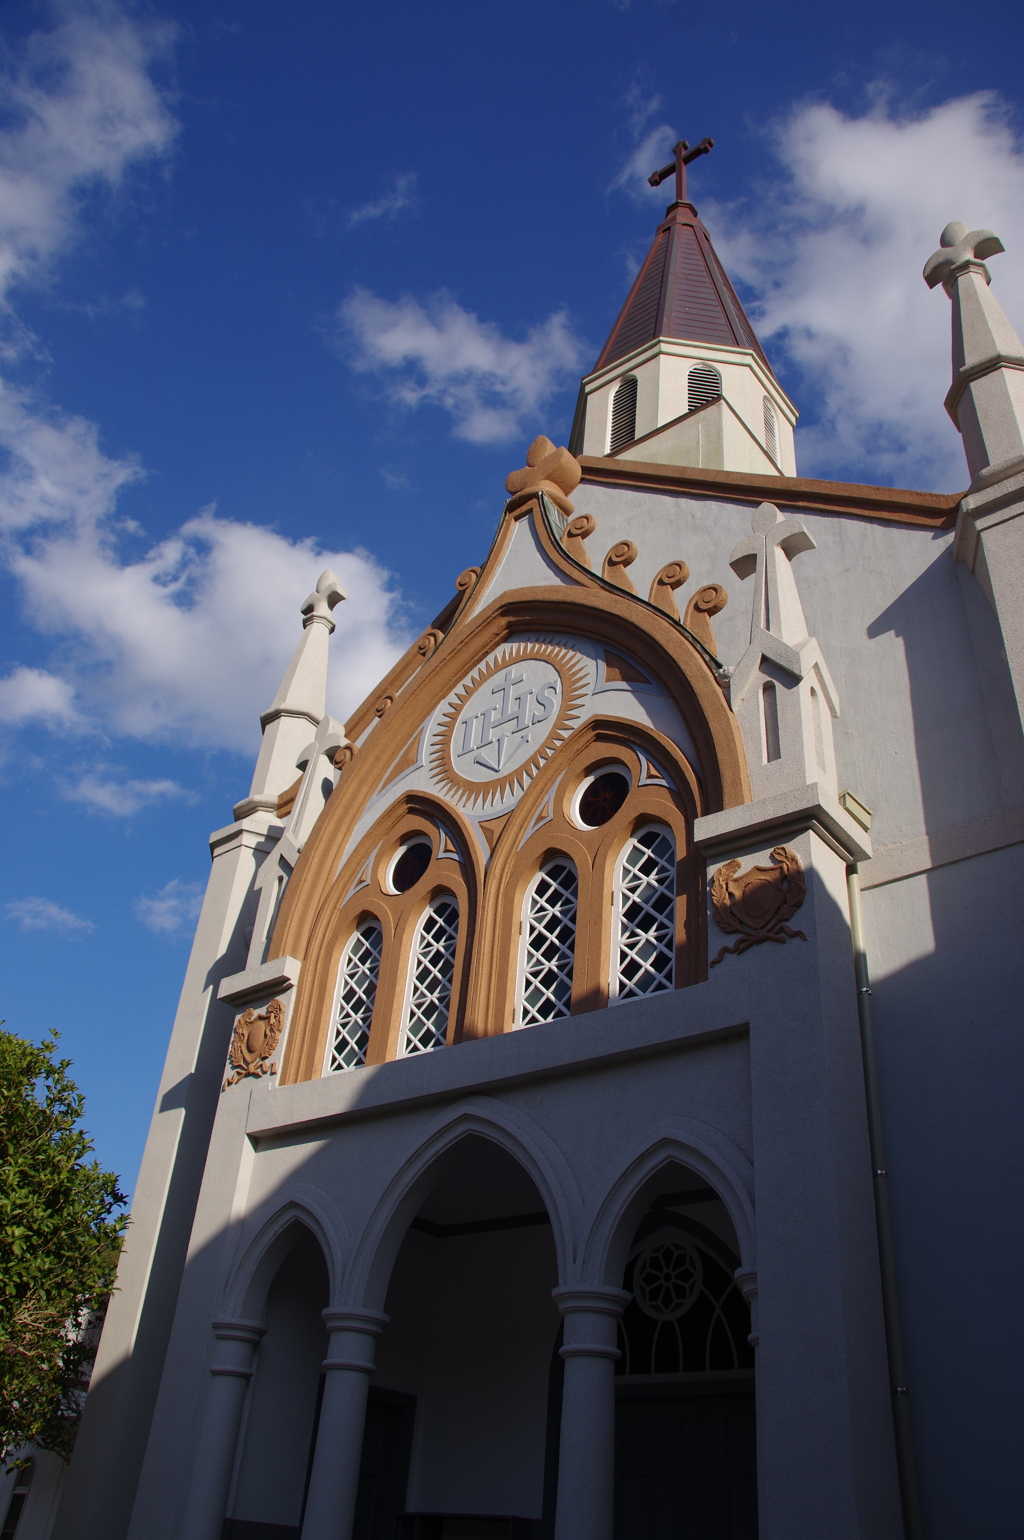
(592, 1107)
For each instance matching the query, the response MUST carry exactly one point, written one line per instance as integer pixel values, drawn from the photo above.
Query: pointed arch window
(771, 436)
(703, 384)
(357, 994)
(430, 983)
(549, 948)
(623, 430)
(645, 915)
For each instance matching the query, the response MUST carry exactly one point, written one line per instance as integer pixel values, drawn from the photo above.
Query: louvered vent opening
(623, 415)
(704, 384)
(771, 437)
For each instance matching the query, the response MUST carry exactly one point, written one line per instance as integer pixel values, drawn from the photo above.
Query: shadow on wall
(949, 1031)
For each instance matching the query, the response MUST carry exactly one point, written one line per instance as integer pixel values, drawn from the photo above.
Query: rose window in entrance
(667, 1280)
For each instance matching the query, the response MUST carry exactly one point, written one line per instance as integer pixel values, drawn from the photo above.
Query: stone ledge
(894, 863)
(682, 1019)
(771, 820)
(267, 978)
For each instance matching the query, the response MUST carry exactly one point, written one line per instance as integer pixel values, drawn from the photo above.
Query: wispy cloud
(399, 196)
(83, 109)
(834, 247)
(439, 354)
(176, 905)
(102, 792)
(44, 914)
(650, 144)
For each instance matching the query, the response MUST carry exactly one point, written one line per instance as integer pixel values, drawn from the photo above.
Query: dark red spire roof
(680, 291)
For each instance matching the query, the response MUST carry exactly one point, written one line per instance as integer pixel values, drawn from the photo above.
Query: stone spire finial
(781, 689)
(986, 398)
(300, 703)
(327, 593)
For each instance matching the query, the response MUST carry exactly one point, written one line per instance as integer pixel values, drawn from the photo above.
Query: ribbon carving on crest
(757, 905)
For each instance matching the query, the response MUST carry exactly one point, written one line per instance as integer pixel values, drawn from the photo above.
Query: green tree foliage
(60, 1236)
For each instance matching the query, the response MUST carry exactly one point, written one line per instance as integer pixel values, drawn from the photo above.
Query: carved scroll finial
(548, 469)
(707, 601)
(672, 576)
(758, 904)
(465, 580)
(960, 248)
(576, 532)
(256, 1035)
(622, 555)
(327, 593)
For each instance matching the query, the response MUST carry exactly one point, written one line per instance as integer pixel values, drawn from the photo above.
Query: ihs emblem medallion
(506, 720)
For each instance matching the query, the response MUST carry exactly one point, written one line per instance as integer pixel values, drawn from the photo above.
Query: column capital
(239, 1331)
(370, 1322)
(572, 1300)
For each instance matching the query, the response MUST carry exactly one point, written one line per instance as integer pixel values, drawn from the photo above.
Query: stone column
(334, 1479)
(586, 1454)
(215, 1460)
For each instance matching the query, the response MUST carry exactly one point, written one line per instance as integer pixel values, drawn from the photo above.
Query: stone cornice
(925, 510)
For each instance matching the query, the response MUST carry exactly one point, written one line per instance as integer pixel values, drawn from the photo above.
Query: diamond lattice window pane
(426, 1026)
(360, 970)
(550, 945)
(647, 915)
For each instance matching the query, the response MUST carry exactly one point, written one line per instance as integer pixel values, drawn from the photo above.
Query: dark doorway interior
(384, 1467)
(685, 1462)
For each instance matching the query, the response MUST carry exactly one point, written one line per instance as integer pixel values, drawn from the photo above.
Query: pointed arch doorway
(686, 1451)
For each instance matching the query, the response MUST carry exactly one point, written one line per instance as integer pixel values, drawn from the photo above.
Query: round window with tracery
(667, 1280)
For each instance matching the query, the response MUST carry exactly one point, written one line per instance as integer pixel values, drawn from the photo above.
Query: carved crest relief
(256, 1035)
(506, 720)
(758, 904)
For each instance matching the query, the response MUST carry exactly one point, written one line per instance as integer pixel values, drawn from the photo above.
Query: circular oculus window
(601, 796)
(667, 1280)
(409, 865)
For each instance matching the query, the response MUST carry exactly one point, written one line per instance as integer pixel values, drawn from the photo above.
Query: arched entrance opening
(458, 1402)
(268, 1494)
(685, 1457)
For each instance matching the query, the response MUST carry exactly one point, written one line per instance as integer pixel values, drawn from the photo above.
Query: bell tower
(682, 378)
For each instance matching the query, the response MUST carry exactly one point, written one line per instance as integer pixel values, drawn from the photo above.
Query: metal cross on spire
(683, 156)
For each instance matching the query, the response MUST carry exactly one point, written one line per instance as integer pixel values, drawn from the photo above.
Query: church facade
(590, 1108)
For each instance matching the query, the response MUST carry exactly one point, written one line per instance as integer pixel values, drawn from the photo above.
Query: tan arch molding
(461, 610)
(657, 645)
(398, 914)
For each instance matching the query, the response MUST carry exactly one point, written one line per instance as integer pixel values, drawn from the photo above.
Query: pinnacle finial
(959, 246)
(322, 600)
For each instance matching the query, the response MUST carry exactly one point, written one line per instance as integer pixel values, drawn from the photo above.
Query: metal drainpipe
(910, 1496)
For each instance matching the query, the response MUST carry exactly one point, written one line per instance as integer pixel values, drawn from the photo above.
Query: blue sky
(290, 284)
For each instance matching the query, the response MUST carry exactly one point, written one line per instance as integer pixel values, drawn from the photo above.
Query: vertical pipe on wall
(909, 1492)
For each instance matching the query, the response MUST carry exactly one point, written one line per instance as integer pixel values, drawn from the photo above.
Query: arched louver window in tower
(357, 991)
(549, 944)
(645, 914)
(703, 384)
(623, 429)
(771, 437)
(430, 987)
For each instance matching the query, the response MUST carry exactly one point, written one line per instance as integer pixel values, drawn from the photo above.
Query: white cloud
(835, 249)
(401, 195)
(188, 642)
(102, 792)
(43, 914)
(651, 146)
(31, 694)
(177, 904)
(438, 353)
(83, 109)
